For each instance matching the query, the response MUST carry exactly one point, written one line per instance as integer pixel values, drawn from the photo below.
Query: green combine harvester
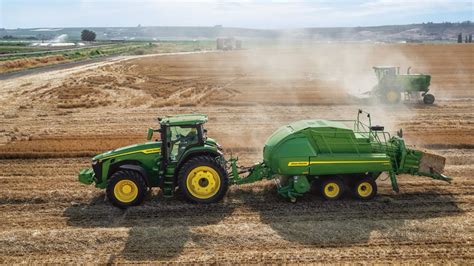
(335, 156)
(392, 87)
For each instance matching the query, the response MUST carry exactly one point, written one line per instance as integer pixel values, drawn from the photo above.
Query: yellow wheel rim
(364, 189)
(125, 191)
(392, 96)
(203, 182)
(331, 190)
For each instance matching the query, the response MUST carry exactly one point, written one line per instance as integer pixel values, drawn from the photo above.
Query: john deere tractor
(393, 87)
(183, 158)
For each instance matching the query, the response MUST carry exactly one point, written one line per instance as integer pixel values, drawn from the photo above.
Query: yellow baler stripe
(298, 164)
(333, 162)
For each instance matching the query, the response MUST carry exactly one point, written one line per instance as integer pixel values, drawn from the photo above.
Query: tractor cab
(179, 133)
(386, 71)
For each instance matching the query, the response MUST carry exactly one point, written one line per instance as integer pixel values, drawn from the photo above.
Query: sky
(263, 14)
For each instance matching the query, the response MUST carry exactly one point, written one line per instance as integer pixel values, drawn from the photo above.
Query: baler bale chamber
(336, 158)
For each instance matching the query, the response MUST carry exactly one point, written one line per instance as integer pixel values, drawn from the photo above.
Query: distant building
(228, 44)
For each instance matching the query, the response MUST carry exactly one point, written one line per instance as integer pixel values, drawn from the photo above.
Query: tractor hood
(146, 148)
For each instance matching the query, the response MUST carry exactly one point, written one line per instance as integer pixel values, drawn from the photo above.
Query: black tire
(329, 186)
(189, 191)
(365, 189)
(138, 190)
(428, 98)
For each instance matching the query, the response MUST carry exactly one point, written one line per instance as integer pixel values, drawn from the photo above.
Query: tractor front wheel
(203, 179)
(126, 188)
(428, 99)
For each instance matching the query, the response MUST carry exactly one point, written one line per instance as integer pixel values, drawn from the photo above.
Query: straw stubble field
(53, 122)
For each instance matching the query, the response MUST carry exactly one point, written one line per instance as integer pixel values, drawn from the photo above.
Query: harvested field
(52, 123)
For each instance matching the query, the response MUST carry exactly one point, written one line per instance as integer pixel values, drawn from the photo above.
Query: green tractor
(184, 158)
(392, 85)
(335, 156)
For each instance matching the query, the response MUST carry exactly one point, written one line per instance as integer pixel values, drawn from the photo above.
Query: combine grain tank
(336, 158)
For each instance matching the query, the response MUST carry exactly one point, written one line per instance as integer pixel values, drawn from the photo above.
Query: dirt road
(84, 64)
(52, 123)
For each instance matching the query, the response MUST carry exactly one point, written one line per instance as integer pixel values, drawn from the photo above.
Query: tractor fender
(136, 168)
(192, 153)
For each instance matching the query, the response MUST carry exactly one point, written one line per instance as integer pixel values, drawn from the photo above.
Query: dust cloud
(315, 74)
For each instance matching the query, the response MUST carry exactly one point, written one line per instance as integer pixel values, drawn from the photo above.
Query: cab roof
(183, 119)
(384, 67)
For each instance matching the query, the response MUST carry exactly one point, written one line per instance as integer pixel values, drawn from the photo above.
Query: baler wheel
(126, 188)
(365, 189)
(428, 99)
(332, 188)
(203, 180)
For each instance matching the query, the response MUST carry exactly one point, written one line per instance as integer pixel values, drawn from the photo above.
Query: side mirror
(150, 134)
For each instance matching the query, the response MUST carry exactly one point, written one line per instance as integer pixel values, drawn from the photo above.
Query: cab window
(182, 137)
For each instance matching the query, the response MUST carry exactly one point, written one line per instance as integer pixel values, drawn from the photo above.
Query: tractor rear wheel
(392, 96)
(365, 189)
(332, 188)
(126, 188)
(203, 179)
(428, 99)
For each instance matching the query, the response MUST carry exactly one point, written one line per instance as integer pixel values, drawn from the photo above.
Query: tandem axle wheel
(333, 188)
